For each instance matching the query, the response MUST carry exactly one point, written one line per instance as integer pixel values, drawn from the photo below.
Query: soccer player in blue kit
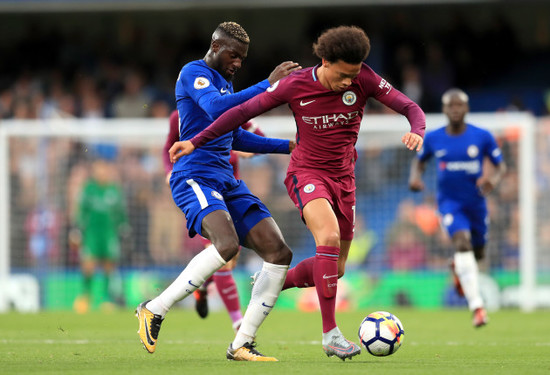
(216, 205)
(328, 102)
(460, 149)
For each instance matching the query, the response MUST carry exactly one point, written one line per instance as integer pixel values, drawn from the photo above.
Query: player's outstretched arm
(180, 149)
(249, 142)
(282, 70)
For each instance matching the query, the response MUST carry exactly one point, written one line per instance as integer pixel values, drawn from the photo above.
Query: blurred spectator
(134, 100)
(43, 226)
(405, 242)
(437, 77)
(364, 240)
(412, 83)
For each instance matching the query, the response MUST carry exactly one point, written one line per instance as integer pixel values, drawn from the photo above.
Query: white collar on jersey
(313, 72)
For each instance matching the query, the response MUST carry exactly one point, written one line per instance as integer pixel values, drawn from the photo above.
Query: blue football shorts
(457, 216)
(198, 197)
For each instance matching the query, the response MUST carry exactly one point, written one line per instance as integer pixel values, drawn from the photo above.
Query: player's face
(338, 75)
(229, 55)
(456, 109)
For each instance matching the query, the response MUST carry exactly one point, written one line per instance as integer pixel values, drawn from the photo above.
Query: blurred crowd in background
(124, 69)
(124, 65)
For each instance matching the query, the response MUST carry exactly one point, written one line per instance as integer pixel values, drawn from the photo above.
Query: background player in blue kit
(460, 149)
(216, 205)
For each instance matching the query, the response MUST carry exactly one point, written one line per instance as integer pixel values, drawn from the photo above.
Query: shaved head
(451, 93)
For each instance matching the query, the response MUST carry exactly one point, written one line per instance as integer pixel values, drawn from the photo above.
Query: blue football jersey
(460, 161)
(202, 94)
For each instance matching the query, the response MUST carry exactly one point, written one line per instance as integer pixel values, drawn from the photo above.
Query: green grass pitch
(436, 342)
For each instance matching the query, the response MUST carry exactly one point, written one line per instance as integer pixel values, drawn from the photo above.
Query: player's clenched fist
(180, 149)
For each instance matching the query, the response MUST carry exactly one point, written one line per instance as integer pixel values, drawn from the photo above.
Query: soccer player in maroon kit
(328, 101)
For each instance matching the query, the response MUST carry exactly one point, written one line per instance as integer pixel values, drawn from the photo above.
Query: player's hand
(282, 70)
(167, 179)
(413, 141)
(291, 146)
(485, 185)
(180, 149)
(416, 185)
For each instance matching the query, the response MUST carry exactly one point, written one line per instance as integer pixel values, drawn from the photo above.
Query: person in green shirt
(101, 217)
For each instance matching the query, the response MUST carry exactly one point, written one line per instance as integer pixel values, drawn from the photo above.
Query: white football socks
(200, 268)
(468, 273)
(265, 292)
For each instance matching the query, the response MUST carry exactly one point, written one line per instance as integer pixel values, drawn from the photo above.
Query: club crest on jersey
(349, 98)
(448, 219)
(472, 151)
(217, 195)
(309, 188)
(201, 83)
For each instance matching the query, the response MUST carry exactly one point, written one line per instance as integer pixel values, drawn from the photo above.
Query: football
(381, 333)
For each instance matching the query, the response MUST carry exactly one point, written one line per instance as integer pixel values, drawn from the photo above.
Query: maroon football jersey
(327, 122)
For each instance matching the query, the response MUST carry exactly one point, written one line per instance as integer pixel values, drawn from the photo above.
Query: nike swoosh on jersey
(265, 305)
(329, 277)
(223, 91)
(302, 103)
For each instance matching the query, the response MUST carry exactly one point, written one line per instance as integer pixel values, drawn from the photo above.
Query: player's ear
(215, 46)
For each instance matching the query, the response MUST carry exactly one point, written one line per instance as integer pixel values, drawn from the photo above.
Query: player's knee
(479, 253)
(331, 238)
(279, 254)
(462, 245)
(227, 248)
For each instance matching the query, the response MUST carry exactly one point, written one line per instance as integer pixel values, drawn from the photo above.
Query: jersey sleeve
(240, 114)
(386, 94)
(426, 152)
(173, 136)
(198, 84)
(492, 150)
(249, 142)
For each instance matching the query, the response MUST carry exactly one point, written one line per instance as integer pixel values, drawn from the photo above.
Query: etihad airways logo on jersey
(329, 121)
(470, 167)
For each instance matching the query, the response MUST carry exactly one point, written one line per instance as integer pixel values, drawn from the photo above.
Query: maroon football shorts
(303, 187)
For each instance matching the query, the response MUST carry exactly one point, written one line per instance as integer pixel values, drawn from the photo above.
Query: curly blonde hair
(233, 30)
